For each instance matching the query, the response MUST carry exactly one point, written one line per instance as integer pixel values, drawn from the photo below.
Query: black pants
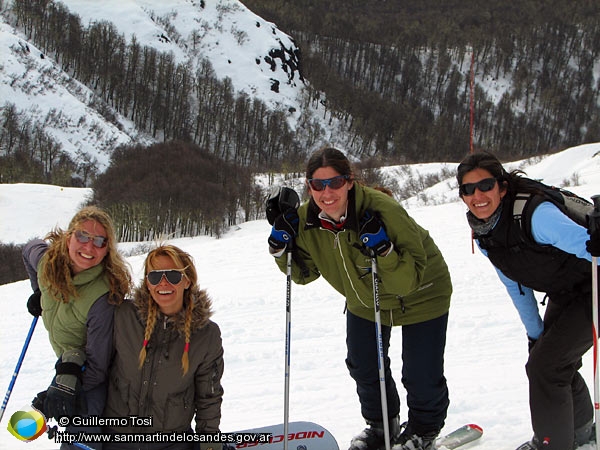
(423, 378)
(559, 399)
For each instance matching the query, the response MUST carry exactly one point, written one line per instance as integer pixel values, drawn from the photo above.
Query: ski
(301, 436)
(459, 437)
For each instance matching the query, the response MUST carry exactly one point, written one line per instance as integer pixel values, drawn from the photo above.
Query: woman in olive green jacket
(168, 359)
(333, 235)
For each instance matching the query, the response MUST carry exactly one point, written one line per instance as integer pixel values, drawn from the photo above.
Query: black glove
(34, 304)
(65, 394)
(530, 343)
(38, 402)
(593, 245)
(372, 234)
(285, 229)
(282, 200)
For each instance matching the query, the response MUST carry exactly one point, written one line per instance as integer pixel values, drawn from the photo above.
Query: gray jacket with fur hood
(159, 389)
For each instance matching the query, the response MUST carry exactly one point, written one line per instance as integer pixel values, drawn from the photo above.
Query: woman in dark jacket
(330, 232)
(551, 258)
(168, 357)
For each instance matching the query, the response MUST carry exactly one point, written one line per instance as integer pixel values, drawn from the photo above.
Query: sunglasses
(333, 183)
(173, 276)
(84, 237)
(485, 185)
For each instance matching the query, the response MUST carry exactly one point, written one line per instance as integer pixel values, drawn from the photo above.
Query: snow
(486, 349)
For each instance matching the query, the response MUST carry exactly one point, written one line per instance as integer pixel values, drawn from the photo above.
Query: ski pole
(19, 362)
(380, 360)
(288, 332)
(594, 220)
(284, 199)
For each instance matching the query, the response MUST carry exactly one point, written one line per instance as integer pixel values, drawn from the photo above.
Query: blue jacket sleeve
(525, 302)
(550, 226)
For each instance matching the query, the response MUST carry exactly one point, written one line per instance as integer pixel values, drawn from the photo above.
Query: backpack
(578, 209)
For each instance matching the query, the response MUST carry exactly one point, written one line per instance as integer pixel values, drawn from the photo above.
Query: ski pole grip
(595, 215)
(596, 200)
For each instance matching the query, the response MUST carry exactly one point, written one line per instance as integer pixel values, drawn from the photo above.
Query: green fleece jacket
(414, 281)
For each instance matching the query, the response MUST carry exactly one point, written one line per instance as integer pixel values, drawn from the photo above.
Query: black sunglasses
(487, 184)
(334, 183)
(84, 237)
(173, 276)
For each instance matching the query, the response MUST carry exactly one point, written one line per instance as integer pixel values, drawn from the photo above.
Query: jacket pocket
(179, 410)
(389, 302)
(119, 401)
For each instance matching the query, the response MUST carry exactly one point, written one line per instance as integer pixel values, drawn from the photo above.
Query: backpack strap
(524, 204)
(519, 204)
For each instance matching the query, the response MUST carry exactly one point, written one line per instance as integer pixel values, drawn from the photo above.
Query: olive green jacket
(159, 389)
(414, 281)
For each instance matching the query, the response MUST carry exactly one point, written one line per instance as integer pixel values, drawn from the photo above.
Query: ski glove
(372, 234)
(593, 245)
(65, 394)
(285, 229)
(34, 304)
(38, 402)
(530, 343)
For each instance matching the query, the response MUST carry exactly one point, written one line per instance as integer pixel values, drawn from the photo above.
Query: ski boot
(372, 437)
(583, 435)
(533, 444)
(411, 440)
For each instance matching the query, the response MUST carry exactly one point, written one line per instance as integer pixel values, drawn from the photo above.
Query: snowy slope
(485, 354)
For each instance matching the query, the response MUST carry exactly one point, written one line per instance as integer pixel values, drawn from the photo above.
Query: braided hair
(185, 263)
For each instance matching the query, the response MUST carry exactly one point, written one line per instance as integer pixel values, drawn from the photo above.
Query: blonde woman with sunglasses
(78, 277)
(168, 356)
(335, 234)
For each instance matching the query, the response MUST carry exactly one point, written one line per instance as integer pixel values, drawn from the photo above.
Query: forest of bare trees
(174, 189)
(398, 72)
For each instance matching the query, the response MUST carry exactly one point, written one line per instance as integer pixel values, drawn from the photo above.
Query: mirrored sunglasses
(333, 183)
(485, 185)
(84, 237)
(173, 276)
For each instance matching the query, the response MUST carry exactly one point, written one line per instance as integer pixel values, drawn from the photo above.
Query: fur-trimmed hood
(201, 313)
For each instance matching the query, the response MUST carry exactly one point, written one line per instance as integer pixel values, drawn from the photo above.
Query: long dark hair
(329, 157)
(514, 181)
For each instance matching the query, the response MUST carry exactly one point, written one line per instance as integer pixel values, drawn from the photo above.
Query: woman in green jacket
(168, 358)
(334, 233)
(78, 277)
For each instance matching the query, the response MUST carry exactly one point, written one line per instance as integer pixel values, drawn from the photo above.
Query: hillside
(87, 80)
(398, 73)
(384, 80)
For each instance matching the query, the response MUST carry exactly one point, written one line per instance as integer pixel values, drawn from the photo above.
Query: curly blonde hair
(185, 263)
(56, 272)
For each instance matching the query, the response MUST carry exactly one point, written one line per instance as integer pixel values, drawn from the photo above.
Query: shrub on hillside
(171, 190)
(11, 264)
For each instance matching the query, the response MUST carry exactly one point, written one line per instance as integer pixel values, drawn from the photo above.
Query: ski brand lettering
(309, 434)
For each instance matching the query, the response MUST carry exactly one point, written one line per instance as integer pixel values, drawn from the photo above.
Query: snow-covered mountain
(258, 59)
